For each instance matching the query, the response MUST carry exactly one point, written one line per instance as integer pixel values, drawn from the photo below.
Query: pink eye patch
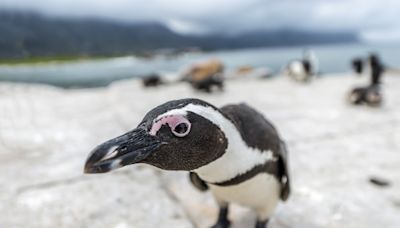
(172, 121)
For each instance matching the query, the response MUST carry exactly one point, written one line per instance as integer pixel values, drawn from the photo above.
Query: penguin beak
(132, 147)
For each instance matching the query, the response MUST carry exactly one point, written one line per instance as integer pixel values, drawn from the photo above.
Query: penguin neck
(238, 157)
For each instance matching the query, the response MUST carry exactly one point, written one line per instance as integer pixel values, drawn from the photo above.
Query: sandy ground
(46, 134)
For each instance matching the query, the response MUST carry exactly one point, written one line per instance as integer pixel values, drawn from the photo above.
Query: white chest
(261, 193)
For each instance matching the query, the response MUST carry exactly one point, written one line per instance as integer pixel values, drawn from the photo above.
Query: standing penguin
(371, 94)
(304, 69)
(357, 66)
(377, 69)
(233, 151)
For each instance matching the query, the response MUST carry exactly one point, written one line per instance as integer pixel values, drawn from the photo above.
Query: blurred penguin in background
(370, 95)
(377, 69)
(303, 70)
(357, 65)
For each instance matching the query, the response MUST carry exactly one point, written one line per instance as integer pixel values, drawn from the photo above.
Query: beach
(47, 132)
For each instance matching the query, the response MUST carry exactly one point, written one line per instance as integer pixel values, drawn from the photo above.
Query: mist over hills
(27, 34)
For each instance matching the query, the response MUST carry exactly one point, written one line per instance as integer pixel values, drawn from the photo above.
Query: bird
(233, 151)
(357, 66)
(370, 95)
(304, 69)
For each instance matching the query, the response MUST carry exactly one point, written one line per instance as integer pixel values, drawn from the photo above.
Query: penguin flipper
(285, 180)
(198, 182)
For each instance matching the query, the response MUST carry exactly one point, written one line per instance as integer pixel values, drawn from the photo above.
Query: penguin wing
(284, 167)
(255, 130)
(258, 132)
(198, 182)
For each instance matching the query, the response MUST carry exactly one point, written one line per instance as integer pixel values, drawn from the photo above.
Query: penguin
(357, 66)
(371, 94)
(233, 151)
(304, 69)
(377, 69)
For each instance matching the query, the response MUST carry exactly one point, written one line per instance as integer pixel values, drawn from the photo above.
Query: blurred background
(91, 43)
(74, 73)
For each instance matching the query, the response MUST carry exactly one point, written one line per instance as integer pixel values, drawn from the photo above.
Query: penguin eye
(181, 129)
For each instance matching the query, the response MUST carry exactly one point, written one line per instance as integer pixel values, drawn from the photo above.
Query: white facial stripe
(238, 158)
(172, 112)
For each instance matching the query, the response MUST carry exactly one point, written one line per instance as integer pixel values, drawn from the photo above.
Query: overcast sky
(377, 19)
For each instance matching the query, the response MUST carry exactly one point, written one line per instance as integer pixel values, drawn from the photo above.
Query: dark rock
(379, 181)
(152, 80)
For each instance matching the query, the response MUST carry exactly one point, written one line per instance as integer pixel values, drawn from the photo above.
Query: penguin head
(177, 135)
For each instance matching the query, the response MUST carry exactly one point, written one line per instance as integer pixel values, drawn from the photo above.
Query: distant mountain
(25, 34)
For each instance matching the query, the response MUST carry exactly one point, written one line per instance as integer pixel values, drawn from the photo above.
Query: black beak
(132, 147)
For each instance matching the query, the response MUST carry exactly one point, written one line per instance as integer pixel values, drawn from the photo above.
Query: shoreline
(332, 59)
(170, 78)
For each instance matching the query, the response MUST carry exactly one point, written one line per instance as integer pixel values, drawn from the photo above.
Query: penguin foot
(222, 224)
(223, 221)
(262, 224)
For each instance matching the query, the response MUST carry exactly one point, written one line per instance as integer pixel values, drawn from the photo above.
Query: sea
(101, 72)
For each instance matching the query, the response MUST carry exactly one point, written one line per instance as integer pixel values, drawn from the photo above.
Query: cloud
(186, 26)
(230, 16)
(384, 34)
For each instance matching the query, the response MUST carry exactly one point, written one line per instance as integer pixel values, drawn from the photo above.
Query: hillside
(25, 34)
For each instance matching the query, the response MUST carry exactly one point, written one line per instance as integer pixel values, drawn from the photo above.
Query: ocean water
(89, 73)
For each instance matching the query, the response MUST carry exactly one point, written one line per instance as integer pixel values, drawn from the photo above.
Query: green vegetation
(48, 59)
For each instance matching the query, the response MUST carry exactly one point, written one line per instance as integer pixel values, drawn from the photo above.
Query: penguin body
(261, 193)
(370, 95)
(296, 70)
(233, 151)
(357, 66)
(303, 70)
(254, 164)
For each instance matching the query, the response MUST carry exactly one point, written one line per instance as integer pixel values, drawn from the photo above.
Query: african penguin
(377, 69)
(369, 95)
(304, 69)
(357, 66)
(233, 151)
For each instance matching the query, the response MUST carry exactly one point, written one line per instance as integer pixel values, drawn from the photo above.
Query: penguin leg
(265, 213)
(262, 223)
(223, 221)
